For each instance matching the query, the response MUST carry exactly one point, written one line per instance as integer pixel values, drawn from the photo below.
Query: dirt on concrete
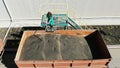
(110, 33)
(55, 47)
(3, 32)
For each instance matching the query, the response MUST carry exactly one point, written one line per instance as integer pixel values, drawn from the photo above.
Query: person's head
(49, 14)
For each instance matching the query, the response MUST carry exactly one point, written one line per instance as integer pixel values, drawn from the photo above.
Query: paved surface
(115, 53)
(2, 65)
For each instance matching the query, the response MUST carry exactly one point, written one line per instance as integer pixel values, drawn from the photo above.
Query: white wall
(98, 21)
(3, 13)
(91, 11)
(30, 9)
(96, 8)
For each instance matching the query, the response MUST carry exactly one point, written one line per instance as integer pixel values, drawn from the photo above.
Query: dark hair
(49, 14)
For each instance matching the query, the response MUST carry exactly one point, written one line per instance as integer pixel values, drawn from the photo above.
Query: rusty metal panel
(23, 64)
(81, 63)
(1, 45)
(62, 63)
(98, 47)
(100, 53)
(44, 64)
(99, 62)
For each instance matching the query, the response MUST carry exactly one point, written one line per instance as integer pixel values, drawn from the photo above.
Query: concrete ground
(115, 63)
(2, 65)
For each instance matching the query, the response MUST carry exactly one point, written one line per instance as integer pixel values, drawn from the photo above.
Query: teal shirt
(51, 22)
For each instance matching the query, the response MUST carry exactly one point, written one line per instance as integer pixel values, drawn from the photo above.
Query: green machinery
(61, 20)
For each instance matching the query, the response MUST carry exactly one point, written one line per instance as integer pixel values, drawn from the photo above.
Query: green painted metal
(61, 20)
(72, 23)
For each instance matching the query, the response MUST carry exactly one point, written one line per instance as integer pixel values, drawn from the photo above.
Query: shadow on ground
(9, 53)
(12, 44)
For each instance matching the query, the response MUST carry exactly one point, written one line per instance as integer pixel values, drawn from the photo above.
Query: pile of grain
(55, 47)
